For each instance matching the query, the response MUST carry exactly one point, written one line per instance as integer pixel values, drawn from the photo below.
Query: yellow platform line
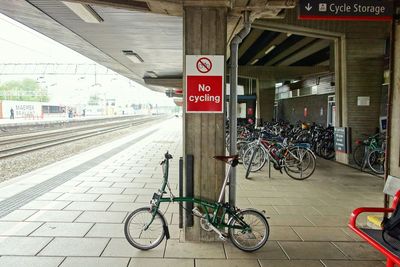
(374, 220)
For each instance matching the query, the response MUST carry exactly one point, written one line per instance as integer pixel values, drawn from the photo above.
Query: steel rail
(55, 132)
(6, 153)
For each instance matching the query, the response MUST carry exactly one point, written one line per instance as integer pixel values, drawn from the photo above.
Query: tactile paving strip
(13, 203)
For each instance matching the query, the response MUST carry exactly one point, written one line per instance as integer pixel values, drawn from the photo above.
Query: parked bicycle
(297, 160)
(370, 152)
(376, 159)
(248, 229)
(320, 138)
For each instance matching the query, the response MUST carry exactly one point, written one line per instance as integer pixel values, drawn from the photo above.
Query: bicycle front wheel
(249, 230)
(142, 230)
(376, 161)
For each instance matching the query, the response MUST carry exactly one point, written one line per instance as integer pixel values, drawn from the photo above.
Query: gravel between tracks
(21, 164)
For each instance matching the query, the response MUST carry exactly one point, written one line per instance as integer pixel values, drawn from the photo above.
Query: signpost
(346, 10)
(205, 84)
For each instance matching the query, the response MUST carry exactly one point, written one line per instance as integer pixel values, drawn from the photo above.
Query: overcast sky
(19, 44)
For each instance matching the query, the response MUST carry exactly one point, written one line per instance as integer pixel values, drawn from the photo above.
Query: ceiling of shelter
(269, 48)
(143, 39)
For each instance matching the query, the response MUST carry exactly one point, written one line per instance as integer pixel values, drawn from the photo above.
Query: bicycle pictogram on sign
(204, 65)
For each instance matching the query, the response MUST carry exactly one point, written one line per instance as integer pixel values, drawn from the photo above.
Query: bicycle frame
(218, 209)
(267, 146)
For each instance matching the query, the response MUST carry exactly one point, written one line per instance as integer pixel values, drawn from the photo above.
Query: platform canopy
(142, 40)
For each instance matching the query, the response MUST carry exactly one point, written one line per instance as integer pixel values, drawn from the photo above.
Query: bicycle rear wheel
(248, 230)
(299, 163)
(376, 161)
(142, 231)
(327, 151)
(359, 154)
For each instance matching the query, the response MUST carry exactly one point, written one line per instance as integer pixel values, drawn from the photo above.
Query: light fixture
(289, 34)
(254, 61)
(151, 74)
(270, 49)
(134, 57)
(84, 11)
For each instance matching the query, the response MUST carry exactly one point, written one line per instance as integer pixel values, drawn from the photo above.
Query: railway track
(21, 144)
(29, 127)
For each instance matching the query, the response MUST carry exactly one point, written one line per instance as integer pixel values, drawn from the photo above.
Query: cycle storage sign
(205, 83)
(346, 10)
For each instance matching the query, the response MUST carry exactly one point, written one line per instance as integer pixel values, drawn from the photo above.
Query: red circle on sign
(204, 65)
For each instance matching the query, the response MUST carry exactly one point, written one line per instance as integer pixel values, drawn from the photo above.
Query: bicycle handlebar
(168, 156)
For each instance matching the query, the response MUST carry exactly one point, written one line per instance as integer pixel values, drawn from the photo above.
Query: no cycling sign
(205, 83)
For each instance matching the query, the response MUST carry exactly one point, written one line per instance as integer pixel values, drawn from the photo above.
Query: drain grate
(15, 202)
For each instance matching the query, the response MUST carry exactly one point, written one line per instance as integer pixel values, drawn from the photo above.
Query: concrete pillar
(205, 30)
(395, 113)
(364, 77)
(266, 99)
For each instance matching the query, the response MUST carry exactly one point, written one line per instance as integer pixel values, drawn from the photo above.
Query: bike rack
(269, 167)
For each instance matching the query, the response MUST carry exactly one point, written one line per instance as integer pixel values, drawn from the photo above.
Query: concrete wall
(267, 100)
(292, 109)
(365, 64)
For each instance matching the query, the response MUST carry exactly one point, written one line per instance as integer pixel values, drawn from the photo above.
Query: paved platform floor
(79, 222)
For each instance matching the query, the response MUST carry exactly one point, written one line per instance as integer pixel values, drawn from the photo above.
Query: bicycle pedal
(223, 237)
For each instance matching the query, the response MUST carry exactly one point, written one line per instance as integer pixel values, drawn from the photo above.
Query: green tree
(25, 90)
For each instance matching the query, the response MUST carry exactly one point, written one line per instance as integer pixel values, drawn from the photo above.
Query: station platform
(71, 213)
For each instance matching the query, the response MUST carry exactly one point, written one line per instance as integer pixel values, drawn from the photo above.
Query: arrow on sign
(308, 7)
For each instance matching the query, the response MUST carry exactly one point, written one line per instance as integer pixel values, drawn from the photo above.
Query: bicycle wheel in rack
(254, 159)
(359, 154)
(299, 163)
(139, 233)
(376, 161)
(249, 230)
(242, 146)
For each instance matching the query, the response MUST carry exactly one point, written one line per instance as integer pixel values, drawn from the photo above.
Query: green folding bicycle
(248, 229)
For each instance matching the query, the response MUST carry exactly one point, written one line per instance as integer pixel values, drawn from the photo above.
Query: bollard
(180, 191)
(189, 189)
